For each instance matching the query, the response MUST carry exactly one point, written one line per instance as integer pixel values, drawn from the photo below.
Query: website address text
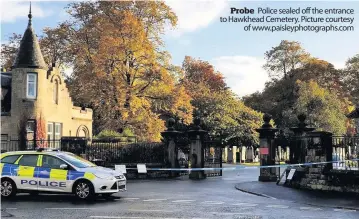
(299, 28)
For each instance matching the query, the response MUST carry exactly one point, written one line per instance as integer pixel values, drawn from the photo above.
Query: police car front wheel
(8, 188)
(84, 190)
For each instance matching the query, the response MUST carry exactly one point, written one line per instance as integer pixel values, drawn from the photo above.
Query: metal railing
(105, 153)
(16, 145)
(345, 151)
(339, 152)
(118, 152)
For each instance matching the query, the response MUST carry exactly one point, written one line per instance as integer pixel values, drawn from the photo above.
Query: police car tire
(84, 184)
(11, 183)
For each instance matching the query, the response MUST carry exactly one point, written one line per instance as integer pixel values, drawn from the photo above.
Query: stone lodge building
(34, 98)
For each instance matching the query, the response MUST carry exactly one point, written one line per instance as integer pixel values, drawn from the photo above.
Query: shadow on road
(51, 198)
(312, 197)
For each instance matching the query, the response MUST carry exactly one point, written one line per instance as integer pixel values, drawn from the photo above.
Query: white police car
(56, 171)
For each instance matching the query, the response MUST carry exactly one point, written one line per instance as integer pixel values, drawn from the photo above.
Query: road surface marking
(230, 179)
(245, 204)
(130, 198)
(277, 206)
(244, 215)
(154, 200)
(143, 210)
(310, 208)
(10, 208)
(344, 210)
(213, 202)
(68, 208)
(129, 217)
(309, 217)
(115, 217)
(229, 213)
(179, 201)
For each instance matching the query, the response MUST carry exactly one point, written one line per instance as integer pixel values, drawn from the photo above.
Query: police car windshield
(76, 161)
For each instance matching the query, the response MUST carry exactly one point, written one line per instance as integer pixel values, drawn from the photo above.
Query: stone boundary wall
(316, 178)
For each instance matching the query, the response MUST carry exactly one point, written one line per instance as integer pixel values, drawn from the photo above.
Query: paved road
(173, 199)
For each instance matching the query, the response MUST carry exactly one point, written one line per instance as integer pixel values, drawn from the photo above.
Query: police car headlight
(103, 176)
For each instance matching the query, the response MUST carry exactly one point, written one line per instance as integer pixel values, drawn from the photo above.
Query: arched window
(83, 131)
(56, 92)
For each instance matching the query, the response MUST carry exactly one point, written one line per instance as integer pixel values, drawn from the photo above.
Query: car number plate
(121, 183)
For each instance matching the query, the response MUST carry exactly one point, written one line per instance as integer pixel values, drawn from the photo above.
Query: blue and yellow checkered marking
(9, 170)
(26, 171)
(43, 172)
(40, 172)
(73, 175)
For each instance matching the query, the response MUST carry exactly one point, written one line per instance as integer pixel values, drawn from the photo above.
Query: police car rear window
(10, 159)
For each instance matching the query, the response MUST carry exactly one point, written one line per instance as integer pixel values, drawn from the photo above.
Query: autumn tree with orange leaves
(121, 70)
(40, 132)
(222, 111)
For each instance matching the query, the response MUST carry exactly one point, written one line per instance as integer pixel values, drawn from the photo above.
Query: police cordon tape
(246, 167)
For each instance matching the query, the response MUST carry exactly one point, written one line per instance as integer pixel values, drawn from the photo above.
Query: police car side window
(28, 160)
(10, 159)
(51, 162)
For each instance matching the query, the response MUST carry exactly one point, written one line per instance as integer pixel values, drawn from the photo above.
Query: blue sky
(236, 53)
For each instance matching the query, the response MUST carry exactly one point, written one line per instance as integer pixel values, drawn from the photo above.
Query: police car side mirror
(63, 166)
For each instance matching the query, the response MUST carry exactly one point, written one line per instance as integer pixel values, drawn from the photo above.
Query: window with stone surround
(31, 86)
(57, 131)
(50, 131)
(54, 132)
(5, 100)
(30, 126)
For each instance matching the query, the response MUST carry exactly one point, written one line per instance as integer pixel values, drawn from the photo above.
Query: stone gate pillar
(266, 152)
(196, 135)
(299, 142)
(170, 138)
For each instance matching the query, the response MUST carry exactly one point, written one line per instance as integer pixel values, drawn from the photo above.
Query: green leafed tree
(221, 110)
(350, 76)
(8, 50)
(281, 59)
(290, 63)
(323, 107)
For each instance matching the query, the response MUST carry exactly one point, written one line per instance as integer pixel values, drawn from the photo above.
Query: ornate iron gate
(213, 158)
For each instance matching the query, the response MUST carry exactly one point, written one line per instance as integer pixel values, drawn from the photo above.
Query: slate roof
(29, 54)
